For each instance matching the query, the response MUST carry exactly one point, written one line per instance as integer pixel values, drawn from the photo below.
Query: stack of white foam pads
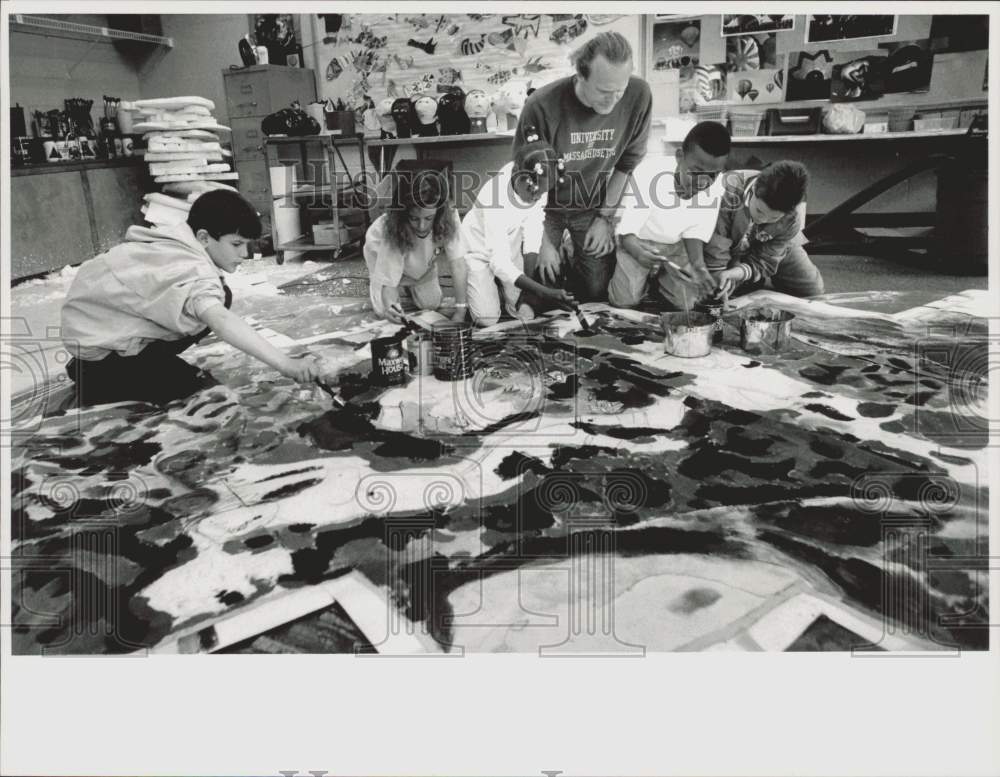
(184, 154)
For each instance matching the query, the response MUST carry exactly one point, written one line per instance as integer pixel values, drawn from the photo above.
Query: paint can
(390, 362)
(766, 331)
(688, 335)
(262, 56)
(421, 350)
(453, 350)
(713, 309)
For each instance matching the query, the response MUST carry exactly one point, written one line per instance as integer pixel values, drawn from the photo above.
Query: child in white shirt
(403, 245)
(502, 229)
(669, 211)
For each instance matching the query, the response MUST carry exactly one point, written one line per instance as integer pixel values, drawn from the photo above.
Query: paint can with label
(766, 331)
(390, 362)
(262, 56)
(453, 350)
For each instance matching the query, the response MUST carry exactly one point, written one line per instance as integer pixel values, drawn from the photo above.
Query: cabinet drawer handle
(246, 88)
(242, 105)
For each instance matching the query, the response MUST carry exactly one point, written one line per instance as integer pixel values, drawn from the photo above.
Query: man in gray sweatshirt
(598, 121)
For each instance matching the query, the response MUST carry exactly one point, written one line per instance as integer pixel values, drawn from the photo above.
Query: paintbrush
(581, 319)
(340, 403)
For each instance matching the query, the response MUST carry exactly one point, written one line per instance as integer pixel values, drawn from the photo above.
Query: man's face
(605, 86)
(697, 170)
(227, 252)
(760, 211)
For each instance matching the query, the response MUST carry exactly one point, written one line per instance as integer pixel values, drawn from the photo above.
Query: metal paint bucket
(421, 353)
(687, 334)
(390, 362)
(453, 350)
(766, 331)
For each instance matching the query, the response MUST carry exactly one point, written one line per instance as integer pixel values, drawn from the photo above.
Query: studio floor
(255, 518)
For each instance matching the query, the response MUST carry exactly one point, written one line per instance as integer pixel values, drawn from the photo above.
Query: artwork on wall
(820, 29)
(858, 75)
(810, 75)
(960, 32)
(753, 87)
(676, 52)
(751, 24)
(908, 68)
(752, 52)
(378, 56)
(710, 84)
(676, 46)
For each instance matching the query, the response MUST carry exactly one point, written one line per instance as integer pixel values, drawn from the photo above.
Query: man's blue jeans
(587, 277)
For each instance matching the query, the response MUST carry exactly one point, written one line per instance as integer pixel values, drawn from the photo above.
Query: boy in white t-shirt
(503, 225)
(669, 211)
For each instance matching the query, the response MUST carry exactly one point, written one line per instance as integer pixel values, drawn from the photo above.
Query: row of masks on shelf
(451, 113)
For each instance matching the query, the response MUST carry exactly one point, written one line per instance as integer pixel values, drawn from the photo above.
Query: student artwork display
(858, 75)
(810, 75)
(751, 24)
(374, 56)
(820, 29)
(676, 46)
(751, 482)
(959, 32)
(754, 87)
(710, 84)
(908, 68)
(752, 52)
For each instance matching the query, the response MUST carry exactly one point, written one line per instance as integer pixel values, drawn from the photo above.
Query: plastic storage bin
(745, 125)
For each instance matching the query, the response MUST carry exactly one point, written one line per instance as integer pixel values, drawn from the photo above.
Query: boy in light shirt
(669, 212)
(503, 229)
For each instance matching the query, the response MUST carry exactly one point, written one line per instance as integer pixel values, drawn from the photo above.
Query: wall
(204, 45)
(45, 70)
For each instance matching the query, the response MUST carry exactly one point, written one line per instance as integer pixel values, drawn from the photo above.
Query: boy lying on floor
(130, 311)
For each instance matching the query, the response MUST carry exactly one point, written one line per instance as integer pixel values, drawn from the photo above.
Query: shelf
(472, 137)
(43, 25)
(45, 168)
(759, 139)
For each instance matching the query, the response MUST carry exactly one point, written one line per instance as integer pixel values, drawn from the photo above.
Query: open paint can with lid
(390, 361)
(453, 350)
(687, 334)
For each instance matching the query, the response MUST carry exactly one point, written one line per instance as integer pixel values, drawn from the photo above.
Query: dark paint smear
(949, 459)
(620, 432)
(946, 428)
(695, 599)
(290, 489)
(260, 541)
(826, 635)
(515, 464)
(503, 423)
(893, 426)
(828, 411)
(875, 410)
(565, 453)
(871, 368)
(815, 395)
(117, 459)
(839, 525)
(343, 430)
(920, 398)
(826, 448)
(184, 505)
(301, 528)
(899, 363)
(313, 565)
(822, 373)
(865, 583)
(289, 473)
(229, 597)
(751, 364)
(739, 441)
(565, 389)
(824, 469)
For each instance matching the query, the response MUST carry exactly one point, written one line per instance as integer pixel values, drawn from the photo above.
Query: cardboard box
(326, 233)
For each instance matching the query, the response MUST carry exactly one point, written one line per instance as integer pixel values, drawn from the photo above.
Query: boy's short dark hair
(782, 185)
(222, 212)
(710, 136)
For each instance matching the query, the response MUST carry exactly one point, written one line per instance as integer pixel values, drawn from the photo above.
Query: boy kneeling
(130, 311)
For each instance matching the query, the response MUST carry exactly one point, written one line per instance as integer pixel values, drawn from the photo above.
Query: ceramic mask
(427, 108)
(477, 104)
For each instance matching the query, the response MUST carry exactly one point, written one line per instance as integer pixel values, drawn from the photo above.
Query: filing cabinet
(252, 93)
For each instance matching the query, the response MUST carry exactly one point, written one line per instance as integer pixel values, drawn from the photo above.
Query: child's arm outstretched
(238, 333)
(696, 272)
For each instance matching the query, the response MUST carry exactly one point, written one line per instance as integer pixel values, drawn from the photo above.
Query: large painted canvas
(810, 75)
(752, 24)
(676, 54)
(584, 493)
(908, 66)
(858, 75)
